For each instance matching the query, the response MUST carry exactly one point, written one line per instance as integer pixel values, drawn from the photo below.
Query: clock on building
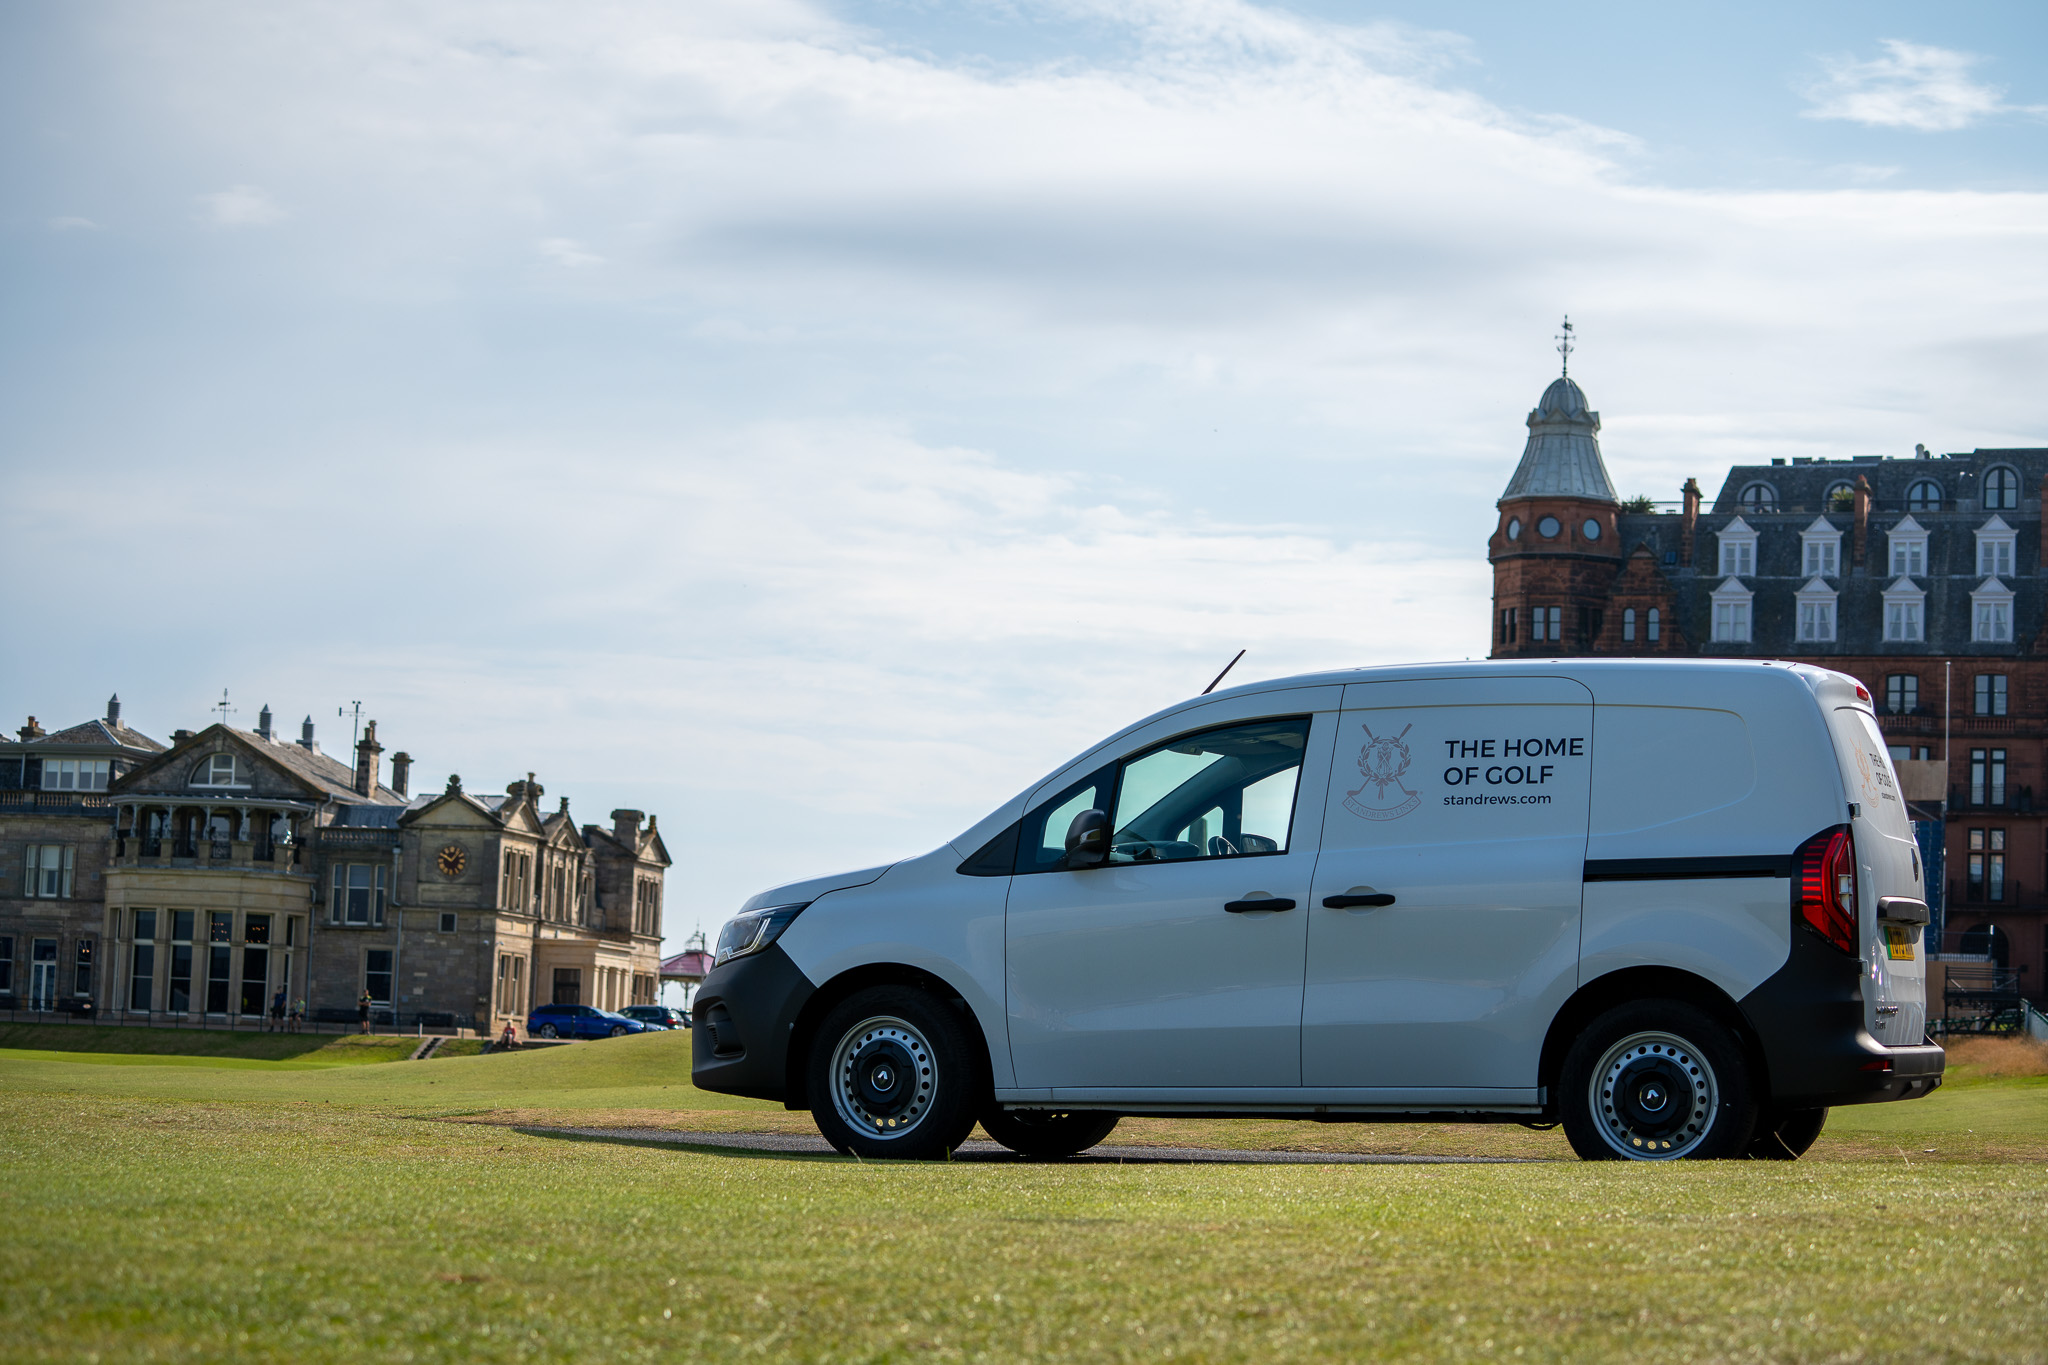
(451, 860)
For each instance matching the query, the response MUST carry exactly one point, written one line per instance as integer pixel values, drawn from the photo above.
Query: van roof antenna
(1226, 668)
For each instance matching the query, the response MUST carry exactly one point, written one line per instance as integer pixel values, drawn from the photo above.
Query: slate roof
(330, 774)
(1562, 457)
(101, 733)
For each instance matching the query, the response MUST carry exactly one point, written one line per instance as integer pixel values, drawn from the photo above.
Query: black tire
(1784, 1135)
(618, 1030)
(1047, 1133)
(1657, 1080)
(894, 1072)
(549, 1031)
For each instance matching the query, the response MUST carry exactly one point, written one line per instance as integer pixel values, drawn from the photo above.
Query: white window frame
(47, 871)
(1737, 541)
(1913, 493)
(76, 774)
(1765, 499)
(1908, 545)
(1997, 549)
(1991, 613)
(1820, 550)
(1905, 613)
(1815, 612)
(205, 774)
(1733, 620)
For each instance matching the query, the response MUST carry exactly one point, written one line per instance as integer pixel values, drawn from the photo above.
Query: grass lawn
(171, 1213)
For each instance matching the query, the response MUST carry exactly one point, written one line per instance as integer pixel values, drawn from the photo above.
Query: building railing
(1989, 799)
(30, 799)
(2009, 895)
(357, 838)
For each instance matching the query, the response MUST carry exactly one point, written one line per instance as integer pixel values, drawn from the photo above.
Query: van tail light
(1824, 886)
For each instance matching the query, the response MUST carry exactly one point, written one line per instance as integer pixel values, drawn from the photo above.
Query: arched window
(1628, 624)
(1841, 494)
(1987, 940)
(220, 770)
(1924, 496)
(1759, 497)
(1651, 632)
(2001, 490)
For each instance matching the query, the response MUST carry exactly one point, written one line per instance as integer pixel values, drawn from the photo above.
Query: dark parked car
(579, 1021)
(657, 1016)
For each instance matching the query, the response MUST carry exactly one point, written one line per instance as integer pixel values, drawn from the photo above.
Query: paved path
(810, 1144)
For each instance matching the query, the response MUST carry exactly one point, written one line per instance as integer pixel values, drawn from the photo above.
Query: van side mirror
(1088, 839)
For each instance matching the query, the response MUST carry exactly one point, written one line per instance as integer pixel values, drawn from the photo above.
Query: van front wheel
(894, 1074)
(1656, 1080)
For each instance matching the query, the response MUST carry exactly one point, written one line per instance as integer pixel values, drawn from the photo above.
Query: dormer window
(1731, 612)
(76, 774)
(1909, 549)
(1995, 542)
(1923, 496)
(1758, 497)
(2001, 490)
(220, 770)
(1816, 610)
(1991, 613)
(1904, 612)
(1738, 549)
(1840, 497)
(1821, 548)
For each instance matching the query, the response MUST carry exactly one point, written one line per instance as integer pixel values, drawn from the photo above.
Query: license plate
(1900, 943)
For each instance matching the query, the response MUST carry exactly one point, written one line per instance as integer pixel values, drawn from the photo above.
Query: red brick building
(1920, 576)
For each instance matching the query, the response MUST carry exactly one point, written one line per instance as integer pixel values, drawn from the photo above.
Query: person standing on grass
(363, 1012)
(298, 1014)
(277, 1011)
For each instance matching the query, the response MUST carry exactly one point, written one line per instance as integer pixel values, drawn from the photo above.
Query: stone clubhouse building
(191, 882)
(1922, 577)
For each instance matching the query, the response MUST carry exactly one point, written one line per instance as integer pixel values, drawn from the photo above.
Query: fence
(382, 1020)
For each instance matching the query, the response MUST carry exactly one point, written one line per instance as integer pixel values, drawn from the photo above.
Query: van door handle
(1261, 903)
(1354, 900)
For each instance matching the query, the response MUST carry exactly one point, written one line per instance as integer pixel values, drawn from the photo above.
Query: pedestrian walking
(277, 1011)
(299, 1014)
(363, 1012)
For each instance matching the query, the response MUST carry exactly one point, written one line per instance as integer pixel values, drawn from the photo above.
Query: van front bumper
(744, 1016)
(1808, 1021)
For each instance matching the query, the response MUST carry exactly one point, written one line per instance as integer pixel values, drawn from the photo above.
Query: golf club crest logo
(1381, 761)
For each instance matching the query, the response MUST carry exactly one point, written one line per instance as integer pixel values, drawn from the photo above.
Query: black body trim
(1808, 1021)
(744, 1015)
(1686, 869)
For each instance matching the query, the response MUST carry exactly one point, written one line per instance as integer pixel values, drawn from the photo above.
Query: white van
(1675, 906)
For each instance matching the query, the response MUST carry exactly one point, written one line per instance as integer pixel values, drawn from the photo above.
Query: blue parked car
(579, 1021)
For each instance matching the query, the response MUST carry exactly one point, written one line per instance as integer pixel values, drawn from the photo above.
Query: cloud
(567, 251)
(1928, 89)
(241, 206)
(73, 225)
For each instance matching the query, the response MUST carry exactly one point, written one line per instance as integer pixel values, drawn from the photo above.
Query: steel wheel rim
(884, 1077)
(1655, 1097)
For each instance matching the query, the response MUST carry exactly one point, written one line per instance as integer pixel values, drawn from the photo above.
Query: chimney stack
(1688, 520)
(30, 731)
(114, 710)
(401, 773)
(306, 736)
(263, 721)
(367, 753)
(1862, 533)
(626, 827)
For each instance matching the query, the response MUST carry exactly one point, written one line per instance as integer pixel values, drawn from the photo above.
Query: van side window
(1219, 794)
(1042, 838)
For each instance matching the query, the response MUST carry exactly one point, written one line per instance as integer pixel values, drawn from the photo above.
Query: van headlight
(754, 930)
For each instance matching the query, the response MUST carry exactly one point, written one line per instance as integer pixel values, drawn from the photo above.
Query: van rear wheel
(1785, 1134)
(1047, 1133)
(1656, 1080)
(893, 1073)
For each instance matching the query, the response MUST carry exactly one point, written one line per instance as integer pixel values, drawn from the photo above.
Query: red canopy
(694, 965)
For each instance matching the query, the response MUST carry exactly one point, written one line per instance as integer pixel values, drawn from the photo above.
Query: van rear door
(1887, 864)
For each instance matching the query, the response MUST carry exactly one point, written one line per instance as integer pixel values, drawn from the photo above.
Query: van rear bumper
(744, 1016)
(1808, 1022)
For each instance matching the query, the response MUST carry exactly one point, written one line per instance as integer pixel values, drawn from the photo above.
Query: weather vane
(1564, 345)
(223, 707)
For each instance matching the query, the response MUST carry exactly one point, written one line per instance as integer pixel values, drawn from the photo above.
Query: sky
(812, 422)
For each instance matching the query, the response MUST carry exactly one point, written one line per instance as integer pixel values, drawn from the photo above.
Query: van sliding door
(1443, 927)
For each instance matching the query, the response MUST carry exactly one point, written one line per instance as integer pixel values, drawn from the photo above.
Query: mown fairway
(298, 1210)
